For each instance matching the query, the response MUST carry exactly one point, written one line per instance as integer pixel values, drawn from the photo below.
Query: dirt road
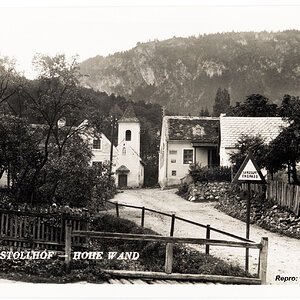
(283, 255)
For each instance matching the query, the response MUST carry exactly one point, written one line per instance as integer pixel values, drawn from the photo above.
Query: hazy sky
(93, 28)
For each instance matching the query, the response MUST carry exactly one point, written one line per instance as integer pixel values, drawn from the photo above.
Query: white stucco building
(186, 140)
(128, 167)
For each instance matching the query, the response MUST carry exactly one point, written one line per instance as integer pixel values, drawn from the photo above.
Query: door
(122, 180)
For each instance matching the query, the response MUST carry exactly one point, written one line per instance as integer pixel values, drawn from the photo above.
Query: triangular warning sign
(249, 172)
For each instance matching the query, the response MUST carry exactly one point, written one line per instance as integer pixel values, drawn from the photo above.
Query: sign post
(248, 173)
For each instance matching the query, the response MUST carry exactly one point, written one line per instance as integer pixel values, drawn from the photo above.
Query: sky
(100, 27)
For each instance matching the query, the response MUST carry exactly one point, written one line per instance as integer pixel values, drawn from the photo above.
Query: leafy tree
(244, 144)
(290, 109)
(255, 105)
(10, 80)
(19, 153)
(52, 97)
(68, 179)
(222, 102)
(284, 151)
(204, 112)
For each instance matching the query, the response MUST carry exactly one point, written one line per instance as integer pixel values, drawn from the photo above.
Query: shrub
(183, 189)
(205, 174)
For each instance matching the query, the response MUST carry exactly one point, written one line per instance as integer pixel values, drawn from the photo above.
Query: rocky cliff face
(185, 73)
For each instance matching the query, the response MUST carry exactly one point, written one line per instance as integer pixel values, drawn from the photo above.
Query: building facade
(184, 141)
(130, 167)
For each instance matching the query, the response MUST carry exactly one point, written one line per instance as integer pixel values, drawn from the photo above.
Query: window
(173, 161)
(187, 156)
(173, 152)
(128, 135)
(123, 151)
(96, 144)
(173, 173)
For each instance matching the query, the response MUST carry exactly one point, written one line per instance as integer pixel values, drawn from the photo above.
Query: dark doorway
(213, 158)
(122, 180)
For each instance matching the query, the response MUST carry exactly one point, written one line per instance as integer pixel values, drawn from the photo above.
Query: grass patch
(151, 258)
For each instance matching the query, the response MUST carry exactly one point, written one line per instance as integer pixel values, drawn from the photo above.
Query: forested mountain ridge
(185, 73)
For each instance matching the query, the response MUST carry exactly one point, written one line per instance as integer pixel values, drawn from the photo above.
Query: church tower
(130, 169)
(129, 130)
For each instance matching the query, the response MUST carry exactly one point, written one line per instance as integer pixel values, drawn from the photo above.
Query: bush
(205, 174)
(183, 189)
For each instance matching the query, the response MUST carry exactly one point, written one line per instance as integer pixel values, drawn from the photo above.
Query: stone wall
(204, 191)
(263, 212)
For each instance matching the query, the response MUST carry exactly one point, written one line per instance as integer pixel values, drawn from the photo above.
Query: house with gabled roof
(232, 128)
(186, 140)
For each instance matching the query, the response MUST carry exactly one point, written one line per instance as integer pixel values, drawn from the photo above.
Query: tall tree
(255, 105)
(284, 151)
(222, 102)
(53, 97)
(244, 144)
(204, 112)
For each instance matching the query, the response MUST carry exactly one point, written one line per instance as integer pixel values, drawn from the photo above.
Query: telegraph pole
(113, 123)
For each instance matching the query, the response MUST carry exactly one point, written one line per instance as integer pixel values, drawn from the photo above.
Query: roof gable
(233, 127)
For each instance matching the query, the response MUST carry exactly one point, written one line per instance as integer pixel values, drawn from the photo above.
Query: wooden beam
(263, 256)
(165, 239)
(177, 276)
(68, 247)
(169, 258)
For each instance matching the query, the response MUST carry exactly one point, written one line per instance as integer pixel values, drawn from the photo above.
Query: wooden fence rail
(25, 229)
(170, 241)
(281, 193)
(173, 218)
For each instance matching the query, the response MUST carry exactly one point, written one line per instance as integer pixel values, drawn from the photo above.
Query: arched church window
(124, 151)
(128, 135)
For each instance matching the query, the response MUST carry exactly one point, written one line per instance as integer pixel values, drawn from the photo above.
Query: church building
(129, 165)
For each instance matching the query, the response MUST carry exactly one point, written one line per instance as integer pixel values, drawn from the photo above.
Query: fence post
(143, 216)
(117, 209)
(68, 246)
(172, 225)
(263, 260)
(169, 258)
(207, 237)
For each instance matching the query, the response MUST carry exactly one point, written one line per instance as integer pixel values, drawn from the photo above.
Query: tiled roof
(129, 115)
(196, 129)
(233, 127)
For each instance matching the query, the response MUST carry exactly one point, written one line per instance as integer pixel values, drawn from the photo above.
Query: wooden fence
(170, 241)
(34, 230)
(281, 193)
(173, 218)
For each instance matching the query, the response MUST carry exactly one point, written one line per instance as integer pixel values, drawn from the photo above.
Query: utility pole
(113, 123)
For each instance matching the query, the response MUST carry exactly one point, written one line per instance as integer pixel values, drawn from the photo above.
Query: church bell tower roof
(129, 115)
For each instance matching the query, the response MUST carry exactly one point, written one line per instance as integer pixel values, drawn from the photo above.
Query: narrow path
(284, 252)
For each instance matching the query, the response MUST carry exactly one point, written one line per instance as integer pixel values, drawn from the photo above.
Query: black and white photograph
(150, 146)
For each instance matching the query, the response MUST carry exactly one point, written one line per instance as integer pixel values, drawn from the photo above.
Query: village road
(283, 254)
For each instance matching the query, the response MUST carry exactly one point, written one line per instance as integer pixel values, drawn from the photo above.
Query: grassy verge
(151, 258)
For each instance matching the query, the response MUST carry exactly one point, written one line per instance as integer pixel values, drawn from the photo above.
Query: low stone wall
(204, 191)
(263, 213)
(233, 201)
